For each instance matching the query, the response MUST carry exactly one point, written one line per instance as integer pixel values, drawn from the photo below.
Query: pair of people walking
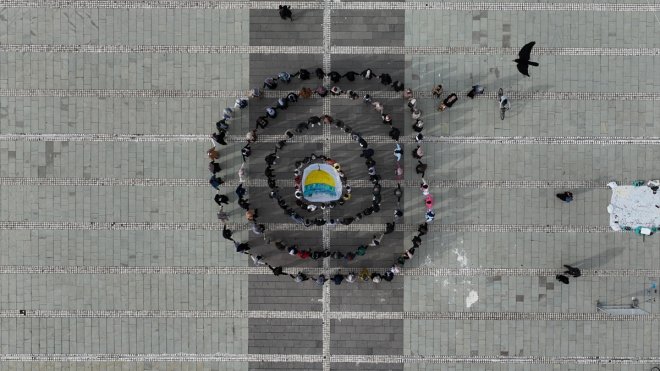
(571, 271)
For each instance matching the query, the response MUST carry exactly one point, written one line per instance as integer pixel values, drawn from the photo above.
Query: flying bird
(523, 62)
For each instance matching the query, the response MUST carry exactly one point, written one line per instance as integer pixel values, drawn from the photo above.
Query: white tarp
(634, 207)
(321, 183)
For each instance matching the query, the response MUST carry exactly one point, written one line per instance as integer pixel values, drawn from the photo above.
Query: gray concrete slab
(166, 72)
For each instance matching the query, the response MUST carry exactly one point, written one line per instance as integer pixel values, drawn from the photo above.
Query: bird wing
(523, 68)
(526, 51)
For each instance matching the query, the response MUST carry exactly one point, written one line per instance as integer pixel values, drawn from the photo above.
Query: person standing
(418, 153)
(214, 167)
(278, 271)
(258, 259)
(240, 191)
(305, 92)
(395, 134)
(428, 201)
(334, 76)
(398, 192)
(421, 168)
(246, 151)
(213, 154)
(385, 79)
(215, 182)
(418, 126)
(221, 199)
(271, 112)
(241, 103)
(398, 171)
(424, 187)
(227, 233)
(375, 241)
(476, 90)
(222, 215)
(337, 278)
(364, 274)
(302, 74)
(251, 215)
(219, 138)
(437, 92)
(270, 83)
(284, 76)
(398, 152)
(300, 277)
(350, 75)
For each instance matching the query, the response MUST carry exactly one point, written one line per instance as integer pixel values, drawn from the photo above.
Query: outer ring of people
(271, 83)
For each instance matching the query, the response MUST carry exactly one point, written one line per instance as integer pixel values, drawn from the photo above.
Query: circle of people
(271, 112)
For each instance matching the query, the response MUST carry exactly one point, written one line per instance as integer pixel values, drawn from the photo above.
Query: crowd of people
(271, 113)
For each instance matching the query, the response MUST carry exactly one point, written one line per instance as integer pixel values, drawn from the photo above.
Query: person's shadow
(598, 260)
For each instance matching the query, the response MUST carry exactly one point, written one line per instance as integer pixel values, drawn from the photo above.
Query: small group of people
(452, 98)
(339, 277)
(422, 229)
(298, 194)
(218, 138)
(570, 271)
(214, 167)
(361, 250)
(351, 277)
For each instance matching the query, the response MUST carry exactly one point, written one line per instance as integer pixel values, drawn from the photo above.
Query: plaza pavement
(109, 240)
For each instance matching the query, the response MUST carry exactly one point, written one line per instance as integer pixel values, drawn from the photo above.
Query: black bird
(523, 62)
(334, 76)
(285, 12)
